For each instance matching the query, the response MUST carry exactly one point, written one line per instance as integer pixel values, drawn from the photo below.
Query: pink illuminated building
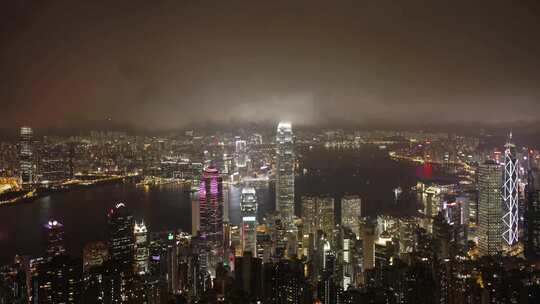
(211, 214)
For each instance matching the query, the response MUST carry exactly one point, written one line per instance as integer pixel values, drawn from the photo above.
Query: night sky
(174, 63)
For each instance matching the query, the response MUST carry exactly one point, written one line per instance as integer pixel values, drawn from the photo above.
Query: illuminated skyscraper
(510, 194)
(172, 264)
(309, 215)
(490, 209)
(211, 215)
(351, 211)
(285, 172)
(141, 248)
(121, 240)
(318, 214)
(348, 268)
(325, 214)
(407, 228)
(249, 220)
(240, 152)
(25, 155)
(55, 238)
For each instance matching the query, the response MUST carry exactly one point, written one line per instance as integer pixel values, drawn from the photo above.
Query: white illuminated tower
(141, 248)
(510, 194)
(249, 220)
(25, 155)
(285, 172)
(240, 153)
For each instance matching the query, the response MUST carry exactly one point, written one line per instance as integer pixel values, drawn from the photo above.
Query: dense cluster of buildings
(475, 239)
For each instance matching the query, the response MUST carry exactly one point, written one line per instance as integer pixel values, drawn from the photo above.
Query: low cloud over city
(165, 65)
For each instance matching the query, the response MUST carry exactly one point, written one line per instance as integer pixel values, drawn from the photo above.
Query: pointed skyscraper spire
(510, 193)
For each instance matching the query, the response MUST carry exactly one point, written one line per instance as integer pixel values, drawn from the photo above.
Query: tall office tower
(309, 215)
(55, 238)
(240, 152)
(211, 215)
(318, 214)
(249, 220)
(326, 216)
(532, 216)
(348, 258)
(121, 240)
(442, 235)
(285, 173)
(369, 234)
(26, 155)
(351, 211)
(490, 211)
(278, 235)
(329, 285)
(407, 228)
(456, 213)
(510, 194)
(172, 266)
(141, 248)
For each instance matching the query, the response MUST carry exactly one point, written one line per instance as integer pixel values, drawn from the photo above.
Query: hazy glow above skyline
(171, 64)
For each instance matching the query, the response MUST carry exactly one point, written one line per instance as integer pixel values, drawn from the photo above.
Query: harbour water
(368, 172)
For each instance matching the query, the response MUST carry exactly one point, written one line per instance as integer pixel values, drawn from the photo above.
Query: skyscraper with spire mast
(510, 193)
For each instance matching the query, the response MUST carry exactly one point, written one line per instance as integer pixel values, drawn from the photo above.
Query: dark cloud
(167, 64)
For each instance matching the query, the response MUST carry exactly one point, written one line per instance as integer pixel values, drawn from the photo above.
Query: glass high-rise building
(211, 215)
(318, 214)
(141, 248)
(121, 239)
(285, 172)
(309, 215)
(351, 211)
(249, 220)
(510, 193)
(407, 227)
(55, 238)
(490, 208)
(26, 155)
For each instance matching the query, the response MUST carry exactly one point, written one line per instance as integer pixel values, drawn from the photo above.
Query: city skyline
(298, 215)
(270, 152)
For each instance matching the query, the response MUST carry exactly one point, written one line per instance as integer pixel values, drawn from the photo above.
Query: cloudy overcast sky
(166, 64)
